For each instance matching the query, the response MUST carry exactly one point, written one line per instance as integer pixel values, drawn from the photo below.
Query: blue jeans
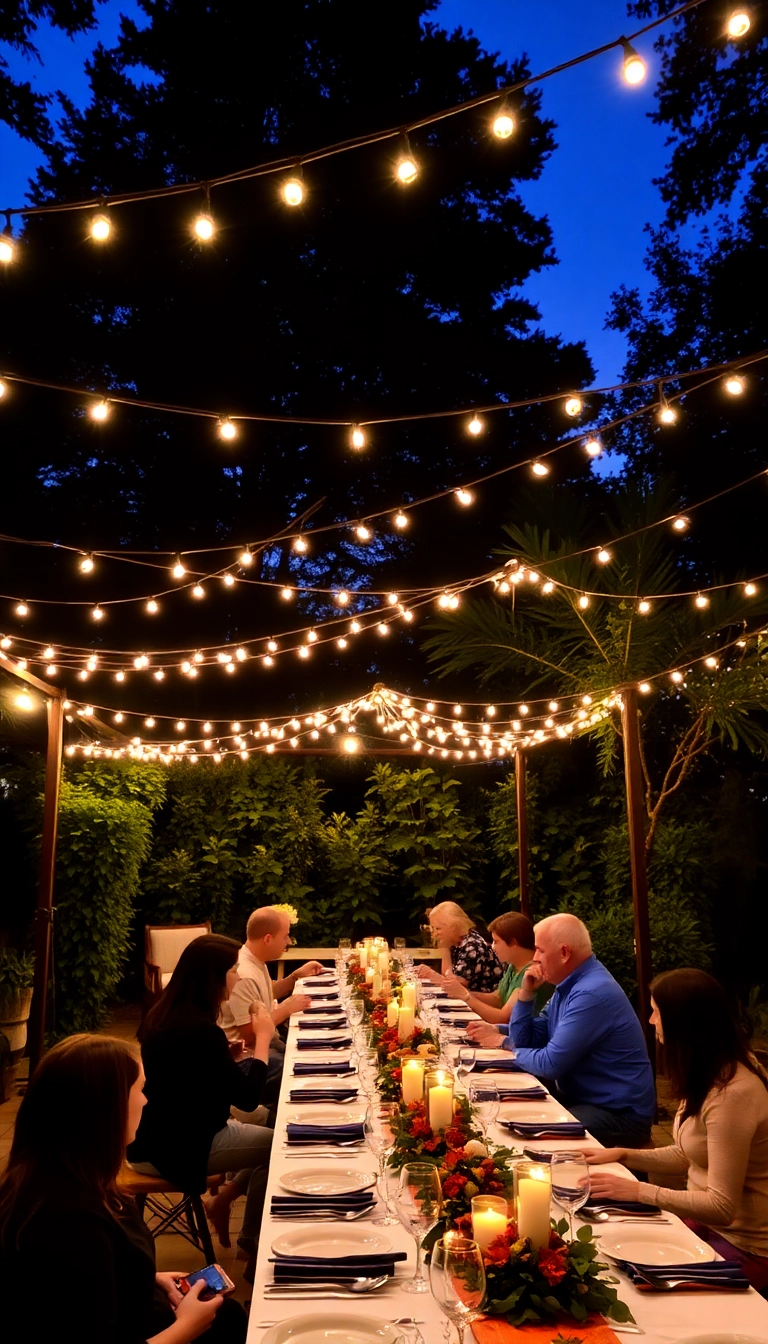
(614, 1129)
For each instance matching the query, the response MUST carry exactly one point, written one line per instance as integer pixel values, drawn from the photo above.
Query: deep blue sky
(596, 189)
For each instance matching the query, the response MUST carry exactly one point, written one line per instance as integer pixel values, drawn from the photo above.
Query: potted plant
(16, 973)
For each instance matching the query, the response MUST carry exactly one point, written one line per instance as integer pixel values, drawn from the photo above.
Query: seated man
(513, 943)
(267, 936)
(587, 1040)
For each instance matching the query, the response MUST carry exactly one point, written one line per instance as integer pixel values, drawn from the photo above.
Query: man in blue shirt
(587, 1040)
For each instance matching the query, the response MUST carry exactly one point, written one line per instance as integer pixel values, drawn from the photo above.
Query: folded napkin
(334, 1269)
(490, 1330)
(454, 1021)
(333, 1024)
(323, 1008)
(343, 1043)
(315, 997)
(325, 980)
(558, 1129)
(326, 1134)
(522, 1093)
(621, 1206)
(303, 1068)
(357, 1199)
(497, 1065)
(726, 1275)
(316, 1094)
(458, 1007)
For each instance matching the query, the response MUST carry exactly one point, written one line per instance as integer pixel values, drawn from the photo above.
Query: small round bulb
(99, 410)
(681, 523)
(604, 556)
(245, 558)
(204, 227)
(539, 468)
(24, 701)
(179, 569)
(634, 65)
(292, 191)
(503, 125)
(357, 437)
(573, 406)
(735, 385)
(101, 228)
(363, 533)
(7, 249)
(401, 521)
(593, 447)
(667, 415)
(198, 590)
(3, 388)
(97, 614)
(153, 607)
(475, 425)
(227, 430)
(300, 546)
(465, 497)
(87, 564)
(739, 23)
(407, 169)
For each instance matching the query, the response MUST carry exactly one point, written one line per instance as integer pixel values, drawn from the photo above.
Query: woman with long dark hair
(721, 1127)
(185, 1132)
(73, 1249)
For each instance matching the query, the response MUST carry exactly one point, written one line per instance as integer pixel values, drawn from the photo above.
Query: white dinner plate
(330, 1327)
(327, 1181)
(320, 1084)
(307, 1241)
(654, 1245)
(326, 1115)
(327, 1038)
(722, 1337)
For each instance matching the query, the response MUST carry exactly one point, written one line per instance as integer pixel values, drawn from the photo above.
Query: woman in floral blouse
(466, 954)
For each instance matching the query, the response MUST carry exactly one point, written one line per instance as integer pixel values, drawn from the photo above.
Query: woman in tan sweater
(721, 1127)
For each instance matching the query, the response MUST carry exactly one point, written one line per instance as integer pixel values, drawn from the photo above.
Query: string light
(573, 406)
(503, 125)
(750, 589)
(739, 23)
(228, 580)
(357, 437)
(99, 411)
(604, 556)
(198, 590)
(97, 614)
(735, 385)
(24, 701)
(644, 607)
(7, 248)
(292, 189)
(204, 227)
(633, 66)
(101, 228)
(539, 468)
(246, 559)
(179, 569)
(3, 388)
(644, 687)
(594, 447)
(475, 426)
(667, 413)
(363, 533)
(583, 601)
(86, 565)
(406, 168)
(300, 545)
(681, 523)
(152, 607)
(227, 430)
(702, 601)
(286, 594)
(401, 520)
(465, 497)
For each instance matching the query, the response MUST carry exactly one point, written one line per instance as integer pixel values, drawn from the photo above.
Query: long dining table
(661, 1317)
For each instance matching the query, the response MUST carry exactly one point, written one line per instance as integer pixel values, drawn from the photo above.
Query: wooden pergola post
(522, 833)
(54, 704)
(633, 778)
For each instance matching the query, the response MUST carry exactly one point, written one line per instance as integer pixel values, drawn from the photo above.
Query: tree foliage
(20, 107)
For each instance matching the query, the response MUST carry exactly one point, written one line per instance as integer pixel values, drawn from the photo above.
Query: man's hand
(531, 980)
(261, 1021)
(485, 1035)
(296, 1003)
(455, 988)
(309, 968)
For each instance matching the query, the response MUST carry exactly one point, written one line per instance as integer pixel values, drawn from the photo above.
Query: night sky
(596, 189)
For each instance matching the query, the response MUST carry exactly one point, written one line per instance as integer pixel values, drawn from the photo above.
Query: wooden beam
(522, 833)
(44, 911)
(633, 778)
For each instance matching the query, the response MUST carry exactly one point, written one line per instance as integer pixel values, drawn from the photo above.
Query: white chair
(163, 945)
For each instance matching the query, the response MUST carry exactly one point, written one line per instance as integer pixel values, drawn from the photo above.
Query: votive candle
(406, 1023)
(489, 1219)
(392, 1011)
(533, 1192)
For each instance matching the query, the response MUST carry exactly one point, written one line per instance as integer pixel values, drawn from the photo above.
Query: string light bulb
(363, 533)
(593, 447)
(7, 247)
(3, 388)
(539, 468)
(735, 384)
(292, 189)
(99, 411)
(604, 556)
(475, 426)
(300, 546)
(245, 558)
(286, 594)
(24, 701)
(101, 227)
(401, 521)
(644, 607)
(406, 168)
(228, 580)
(204, 227)
(634, 67)
(86, 564)
(465, 497)
(179, 569)
(583, 602)
(667, 413)
(97, 614)
(503, 124)
(750, 589)
(739, 23)
(702, 601)
(573, 406)
(227, 430)
(152, 606)
(681, 523)
(198, 590)
(357, 437)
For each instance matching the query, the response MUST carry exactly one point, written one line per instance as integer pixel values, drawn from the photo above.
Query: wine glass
(380, 1131)
(457, 1279)
(570, 1183)
(356, 1010)
(465, 1063)
(418, 1203)
(398, 944)
(484, 1100)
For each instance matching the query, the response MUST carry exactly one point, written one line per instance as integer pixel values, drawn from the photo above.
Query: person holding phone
(75, 1255)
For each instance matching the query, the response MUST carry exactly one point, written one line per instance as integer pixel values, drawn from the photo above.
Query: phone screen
(212, 1278)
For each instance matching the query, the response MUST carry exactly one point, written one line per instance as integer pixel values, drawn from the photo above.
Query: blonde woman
(466, 954)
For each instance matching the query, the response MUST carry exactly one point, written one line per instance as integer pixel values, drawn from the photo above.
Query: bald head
(268, 933)
(562, 945)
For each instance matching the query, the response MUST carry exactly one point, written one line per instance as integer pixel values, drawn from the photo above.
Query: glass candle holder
(533, 1194)
(490, 1216)
(438, 1091)
(412, 1080)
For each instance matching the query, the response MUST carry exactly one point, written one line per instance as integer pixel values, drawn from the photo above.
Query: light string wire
(293, 161)
(289, 532)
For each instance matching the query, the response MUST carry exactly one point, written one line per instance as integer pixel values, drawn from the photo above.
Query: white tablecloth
(665, 1317)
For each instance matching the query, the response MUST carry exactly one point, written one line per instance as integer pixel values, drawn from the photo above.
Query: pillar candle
(363, 957)
(408, 995)
(369, 974)
(406, 1022)
(489, 1219)
(376, 984)
(392, 1011)
(440, 1106)
(413, 1080)
(533, 1200)
(383, 963)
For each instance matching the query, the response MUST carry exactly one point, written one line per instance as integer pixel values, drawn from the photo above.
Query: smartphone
(217, 1281)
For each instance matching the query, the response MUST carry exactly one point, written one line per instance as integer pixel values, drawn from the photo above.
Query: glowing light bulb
(51, 670)
(267, 660)
(583, 601)
(593, 446)
(553, 706)
(240, 655)
(7, 248)
(401, 520)
(644, 607)
(539, 469)
(227, 429)
(604, 556)
(101, 228)
(572, 406)
(152, 607)
(24, 701)
(99, 410)
(634, 66)
(406, 168)
(503, 125)
(710, 662)
(97, 614)
(179, 569)
(119, 676)
(245, 558)
(312, 636)
(159, 674)
(286, 594)
(292, 191)
(300, 546)
(118, 717)
(87, 564)
(382, 628)
(667, 414)
(207, 727)
(350, 745)
(677, 677)
(149, 723)
(363, 533)
(198, 590)
(341, 643)
(702, 601)
(204, 227)
(644, 687)
(357, 437)
(475, 425)
(739, 23)
(342, 598)
(3, 388)
(681, 523)
(465, 497)
(750, 589)
(355, 627)
(273, 645)
(735, 385)
(548, 587)
(228, 580)
(407, 616)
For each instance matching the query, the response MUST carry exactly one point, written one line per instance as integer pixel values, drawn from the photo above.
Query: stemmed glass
(380, 1131)
(418, 1203)
(570, 1183)
(356, 1010)
(457, 1279)
(465, 1063)
(484, 1100)
(398, 944)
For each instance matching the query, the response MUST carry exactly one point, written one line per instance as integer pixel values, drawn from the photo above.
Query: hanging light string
(294, 190)
(416, 722)
(100, 406)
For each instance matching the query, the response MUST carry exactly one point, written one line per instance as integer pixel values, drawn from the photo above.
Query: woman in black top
(75, 1255)
(466, 954)
(185, 1132)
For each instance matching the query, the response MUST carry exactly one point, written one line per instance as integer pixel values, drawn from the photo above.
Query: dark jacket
(192, 1080)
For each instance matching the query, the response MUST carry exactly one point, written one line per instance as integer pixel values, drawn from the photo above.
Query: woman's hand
(597, 1156)
(195, 1316)
(455, 988)
(604, 1185)
(426, 973)
(168, 1284)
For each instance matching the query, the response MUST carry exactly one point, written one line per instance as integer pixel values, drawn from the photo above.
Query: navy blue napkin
(620, 1205)
(342, 1044)
(335, 1269)
(357, 1199)
(323, 1008)
(322, 980)
(316, 1094)
(305, 1069)
(722, 1275)
(333, 1024)
(321, 997)
(558, 1129)
(497, 1066)
(327, 1134)
(522, 1093)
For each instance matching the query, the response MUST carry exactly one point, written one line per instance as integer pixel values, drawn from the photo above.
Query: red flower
(397, 1075)
(433, 1143)
(455, 1137)
(498, 1251)
(552, 1266)
(454, 1185)
(453, 1157)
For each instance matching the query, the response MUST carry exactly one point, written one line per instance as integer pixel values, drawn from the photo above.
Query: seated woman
(185, 1133)
(76, 1251)
(513, 943)
(721, 1127)
(466, 954)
